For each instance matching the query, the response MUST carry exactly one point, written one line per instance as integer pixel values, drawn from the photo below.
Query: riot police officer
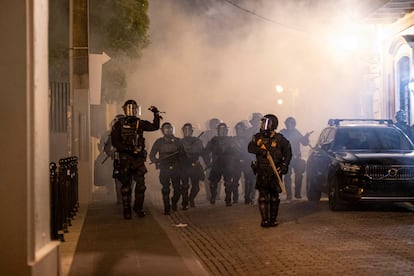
(111, 152)
(269, 147)
(192, 170)
(242, 140)
(205, 137)
(170, 152)
(128, 139)
(297, 164)
(255, 122)
(223, 160)
(401, 123)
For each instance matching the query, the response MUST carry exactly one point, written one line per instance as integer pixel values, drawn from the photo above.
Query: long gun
(166, 157)
(279, 179)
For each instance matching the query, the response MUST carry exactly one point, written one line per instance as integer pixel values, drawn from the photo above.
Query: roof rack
(337, 122)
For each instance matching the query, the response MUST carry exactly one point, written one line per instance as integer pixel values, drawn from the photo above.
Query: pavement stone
(220, 240)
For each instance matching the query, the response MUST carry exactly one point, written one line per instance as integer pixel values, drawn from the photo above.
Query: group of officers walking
(257, 153)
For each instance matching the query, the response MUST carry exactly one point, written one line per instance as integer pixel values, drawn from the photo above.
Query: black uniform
(127, 137)
(223, 160)
(297, 164)
(401, 123)
(242, 140)
(205, 137)
(170, 153)
(268, 141)
(192, 170)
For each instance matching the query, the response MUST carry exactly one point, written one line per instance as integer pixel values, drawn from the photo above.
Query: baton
(272, 164)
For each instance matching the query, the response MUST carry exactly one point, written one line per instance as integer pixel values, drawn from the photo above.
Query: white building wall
(24, 167)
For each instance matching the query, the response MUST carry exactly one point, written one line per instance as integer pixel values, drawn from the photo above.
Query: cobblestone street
(310, 239)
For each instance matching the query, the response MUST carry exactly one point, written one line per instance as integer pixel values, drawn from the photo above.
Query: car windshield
(371, 138)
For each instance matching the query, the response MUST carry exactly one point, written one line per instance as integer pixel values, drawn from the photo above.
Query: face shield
(266, 124)
(167, 130)
(240, 130)
(222, 130)
(187, 131)
(132, 110)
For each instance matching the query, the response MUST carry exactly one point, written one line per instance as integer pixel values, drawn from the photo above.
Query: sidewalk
(110, 245)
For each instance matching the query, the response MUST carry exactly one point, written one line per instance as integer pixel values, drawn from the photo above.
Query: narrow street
(310, 239)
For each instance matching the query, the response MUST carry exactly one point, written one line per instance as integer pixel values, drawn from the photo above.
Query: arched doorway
(403, 95)
(402, 54)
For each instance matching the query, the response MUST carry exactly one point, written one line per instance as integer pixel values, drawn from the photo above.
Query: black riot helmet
(131, 108)
(187, 130)
(241, 128)
(400, 116)
(222, 130)
(290, 123)
(167, 129)
(213, 123)
(256, 119)
(269, 122)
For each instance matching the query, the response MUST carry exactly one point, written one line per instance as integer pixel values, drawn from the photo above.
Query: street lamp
(279, 90)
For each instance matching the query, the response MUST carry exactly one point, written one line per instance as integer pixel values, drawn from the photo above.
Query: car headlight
(347, 167)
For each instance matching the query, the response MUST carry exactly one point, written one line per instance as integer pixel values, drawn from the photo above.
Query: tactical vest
(273, 144)
(131, 134)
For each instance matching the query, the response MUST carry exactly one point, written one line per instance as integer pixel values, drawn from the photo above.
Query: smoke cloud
(216, 59)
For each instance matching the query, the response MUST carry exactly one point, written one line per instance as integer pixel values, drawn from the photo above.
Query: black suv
(361, 160)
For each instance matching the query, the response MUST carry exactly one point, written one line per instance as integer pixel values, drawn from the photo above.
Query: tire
(335, 203)
(313, 189)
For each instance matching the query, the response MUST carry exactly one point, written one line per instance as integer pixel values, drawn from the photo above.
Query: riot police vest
(131, 134)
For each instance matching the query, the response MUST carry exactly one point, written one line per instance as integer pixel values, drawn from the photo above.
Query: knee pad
(274, 199)
(125, 190)
(262, 199)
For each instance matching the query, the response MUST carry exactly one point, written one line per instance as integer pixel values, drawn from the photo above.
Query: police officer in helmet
(297, 164)
(166, 153)
(266, 144)
(128, 138)
(242, 140)
(223, 156)
(192, 170)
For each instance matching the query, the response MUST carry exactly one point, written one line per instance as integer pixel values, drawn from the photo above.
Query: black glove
(263, 152)
(283, 169)
(154, 109)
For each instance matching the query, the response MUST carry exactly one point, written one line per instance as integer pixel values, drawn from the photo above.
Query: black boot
(127, 212)
(274, 210)
(264, 212)
(126, 203)
(213, 192)
(228, 189)
(167, 206)
(138, 210)
(138, 204)
(184, 194)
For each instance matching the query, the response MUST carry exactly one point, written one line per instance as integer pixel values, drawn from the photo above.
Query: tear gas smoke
(211, 59)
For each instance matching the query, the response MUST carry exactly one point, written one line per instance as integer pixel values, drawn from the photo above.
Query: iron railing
(64, 201)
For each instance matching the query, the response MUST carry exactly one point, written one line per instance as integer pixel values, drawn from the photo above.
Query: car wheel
(335, 203)
(313, 191)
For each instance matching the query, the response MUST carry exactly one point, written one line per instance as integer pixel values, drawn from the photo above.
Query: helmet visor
(222, 131)
(267, 124)
(187, 131)
(167, 130)
(132, 110)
